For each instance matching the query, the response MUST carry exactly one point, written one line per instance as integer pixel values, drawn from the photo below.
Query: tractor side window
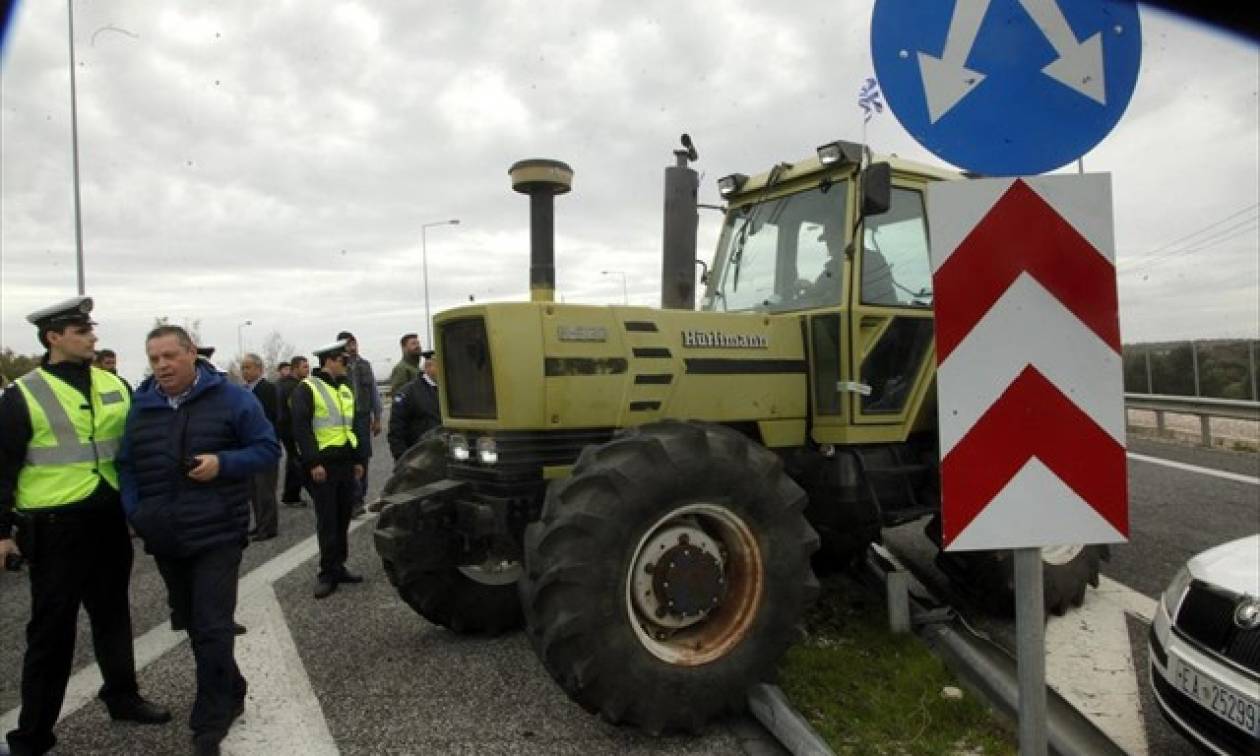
(896, 271)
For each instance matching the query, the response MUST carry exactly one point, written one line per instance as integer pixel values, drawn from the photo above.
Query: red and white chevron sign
(1029, 382)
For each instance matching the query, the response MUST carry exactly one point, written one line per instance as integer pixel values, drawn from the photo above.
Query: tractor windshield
(782, 254)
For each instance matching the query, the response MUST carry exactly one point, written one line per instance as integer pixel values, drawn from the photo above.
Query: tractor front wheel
(420, 556)
(668, 574)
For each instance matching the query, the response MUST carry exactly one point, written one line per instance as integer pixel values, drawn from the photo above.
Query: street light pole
(424, 264)
(625, 295)
(240, 340)
(74, 151)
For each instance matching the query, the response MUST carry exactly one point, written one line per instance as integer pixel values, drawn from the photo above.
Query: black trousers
(202, 590)
(263, 500)
(293, 475)
(334, 500)
(81, 558)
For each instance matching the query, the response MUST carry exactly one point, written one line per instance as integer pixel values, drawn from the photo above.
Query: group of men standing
(180, 459)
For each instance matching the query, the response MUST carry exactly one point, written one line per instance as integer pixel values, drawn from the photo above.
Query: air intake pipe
(542, 180)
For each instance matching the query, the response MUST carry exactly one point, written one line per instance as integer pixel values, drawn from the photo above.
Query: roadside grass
(867, 691)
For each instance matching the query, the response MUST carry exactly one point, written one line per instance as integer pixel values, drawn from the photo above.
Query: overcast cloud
(275, 161)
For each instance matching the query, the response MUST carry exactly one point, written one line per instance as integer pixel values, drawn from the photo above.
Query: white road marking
(1239, 478)
(282, 714)
(1089, 661)
(253, 591)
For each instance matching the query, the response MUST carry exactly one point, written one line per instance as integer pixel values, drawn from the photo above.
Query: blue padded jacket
(174, 514)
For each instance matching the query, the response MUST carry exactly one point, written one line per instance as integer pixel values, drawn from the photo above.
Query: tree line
(1224, 368)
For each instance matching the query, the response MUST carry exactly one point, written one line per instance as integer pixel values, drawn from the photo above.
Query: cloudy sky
(274, 162)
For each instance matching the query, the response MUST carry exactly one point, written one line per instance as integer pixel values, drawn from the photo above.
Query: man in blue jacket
(193, 440)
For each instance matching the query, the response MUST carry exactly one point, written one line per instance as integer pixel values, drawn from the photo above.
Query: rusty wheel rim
(717, 632)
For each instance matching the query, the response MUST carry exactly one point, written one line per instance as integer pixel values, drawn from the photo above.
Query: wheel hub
(688, 580)
(679, 577)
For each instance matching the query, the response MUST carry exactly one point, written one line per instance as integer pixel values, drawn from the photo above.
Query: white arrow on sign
(1080, 64)
(946, 79)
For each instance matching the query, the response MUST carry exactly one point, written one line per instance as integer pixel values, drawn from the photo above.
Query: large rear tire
(668, 574)
(988, 577)
(419, 556)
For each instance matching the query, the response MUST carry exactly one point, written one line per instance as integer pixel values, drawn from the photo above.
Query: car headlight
(1175, 590)
(459, 447)
(487, 452)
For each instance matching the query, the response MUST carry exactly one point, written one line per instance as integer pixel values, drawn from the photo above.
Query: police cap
(330, 350)
(73, 310)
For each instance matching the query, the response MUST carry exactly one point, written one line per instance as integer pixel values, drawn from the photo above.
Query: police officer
(415, 410)
(62, 426)
(322, 412)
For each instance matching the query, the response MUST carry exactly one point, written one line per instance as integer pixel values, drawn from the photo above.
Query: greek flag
(869, 99)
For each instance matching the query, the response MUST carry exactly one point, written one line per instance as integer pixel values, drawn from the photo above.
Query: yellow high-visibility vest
(333, 415)
(72, 444)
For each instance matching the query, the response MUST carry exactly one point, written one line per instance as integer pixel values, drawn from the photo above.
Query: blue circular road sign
(1007, 87)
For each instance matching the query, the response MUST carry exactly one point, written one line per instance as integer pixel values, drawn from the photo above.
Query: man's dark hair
(58, 328)
(297, 360)
(171, 330)
(103, 353)
(324, 359)
(406, 337)
(346, 335)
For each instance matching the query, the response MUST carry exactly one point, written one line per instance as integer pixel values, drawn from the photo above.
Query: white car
(1205, 649)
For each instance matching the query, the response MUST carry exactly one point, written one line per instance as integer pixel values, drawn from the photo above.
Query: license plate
(1224, 702)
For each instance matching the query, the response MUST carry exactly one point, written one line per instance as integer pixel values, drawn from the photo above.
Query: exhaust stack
(542, 180)
(678, 259)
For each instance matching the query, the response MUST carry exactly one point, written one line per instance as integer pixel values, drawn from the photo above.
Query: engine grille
(1206, 616)
(468, 372)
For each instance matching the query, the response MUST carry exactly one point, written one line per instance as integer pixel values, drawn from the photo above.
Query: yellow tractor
(648, 490)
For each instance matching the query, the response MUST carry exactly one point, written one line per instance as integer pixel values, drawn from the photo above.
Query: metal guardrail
(1203, 408)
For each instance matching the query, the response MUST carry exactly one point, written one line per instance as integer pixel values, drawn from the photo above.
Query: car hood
(1234, 566)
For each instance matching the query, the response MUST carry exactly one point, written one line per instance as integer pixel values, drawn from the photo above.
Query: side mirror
(876, 189)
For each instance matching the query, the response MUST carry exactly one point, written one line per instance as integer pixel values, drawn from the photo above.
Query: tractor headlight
(728, 185)
(839, 152)
(487, 451)
(459, 447)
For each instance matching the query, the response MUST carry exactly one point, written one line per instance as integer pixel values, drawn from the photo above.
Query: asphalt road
(378, 679)
(384, 680)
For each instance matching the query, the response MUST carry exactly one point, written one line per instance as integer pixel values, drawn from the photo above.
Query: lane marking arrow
(946, 80)
(1080, 64)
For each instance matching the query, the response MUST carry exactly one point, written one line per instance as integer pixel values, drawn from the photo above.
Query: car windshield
(782, 254)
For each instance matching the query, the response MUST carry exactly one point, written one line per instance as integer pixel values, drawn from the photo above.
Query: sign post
(1029, 377)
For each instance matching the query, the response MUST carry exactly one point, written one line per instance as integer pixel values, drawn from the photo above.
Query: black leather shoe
(324, 590)
(138, 710)
(238, 629)
(349, 577)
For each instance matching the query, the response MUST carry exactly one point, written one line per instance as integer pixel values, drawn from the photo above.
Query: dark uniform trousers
(335, 498)
(292, 473)
(76, 558)
(202, 591)
(263, 500)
